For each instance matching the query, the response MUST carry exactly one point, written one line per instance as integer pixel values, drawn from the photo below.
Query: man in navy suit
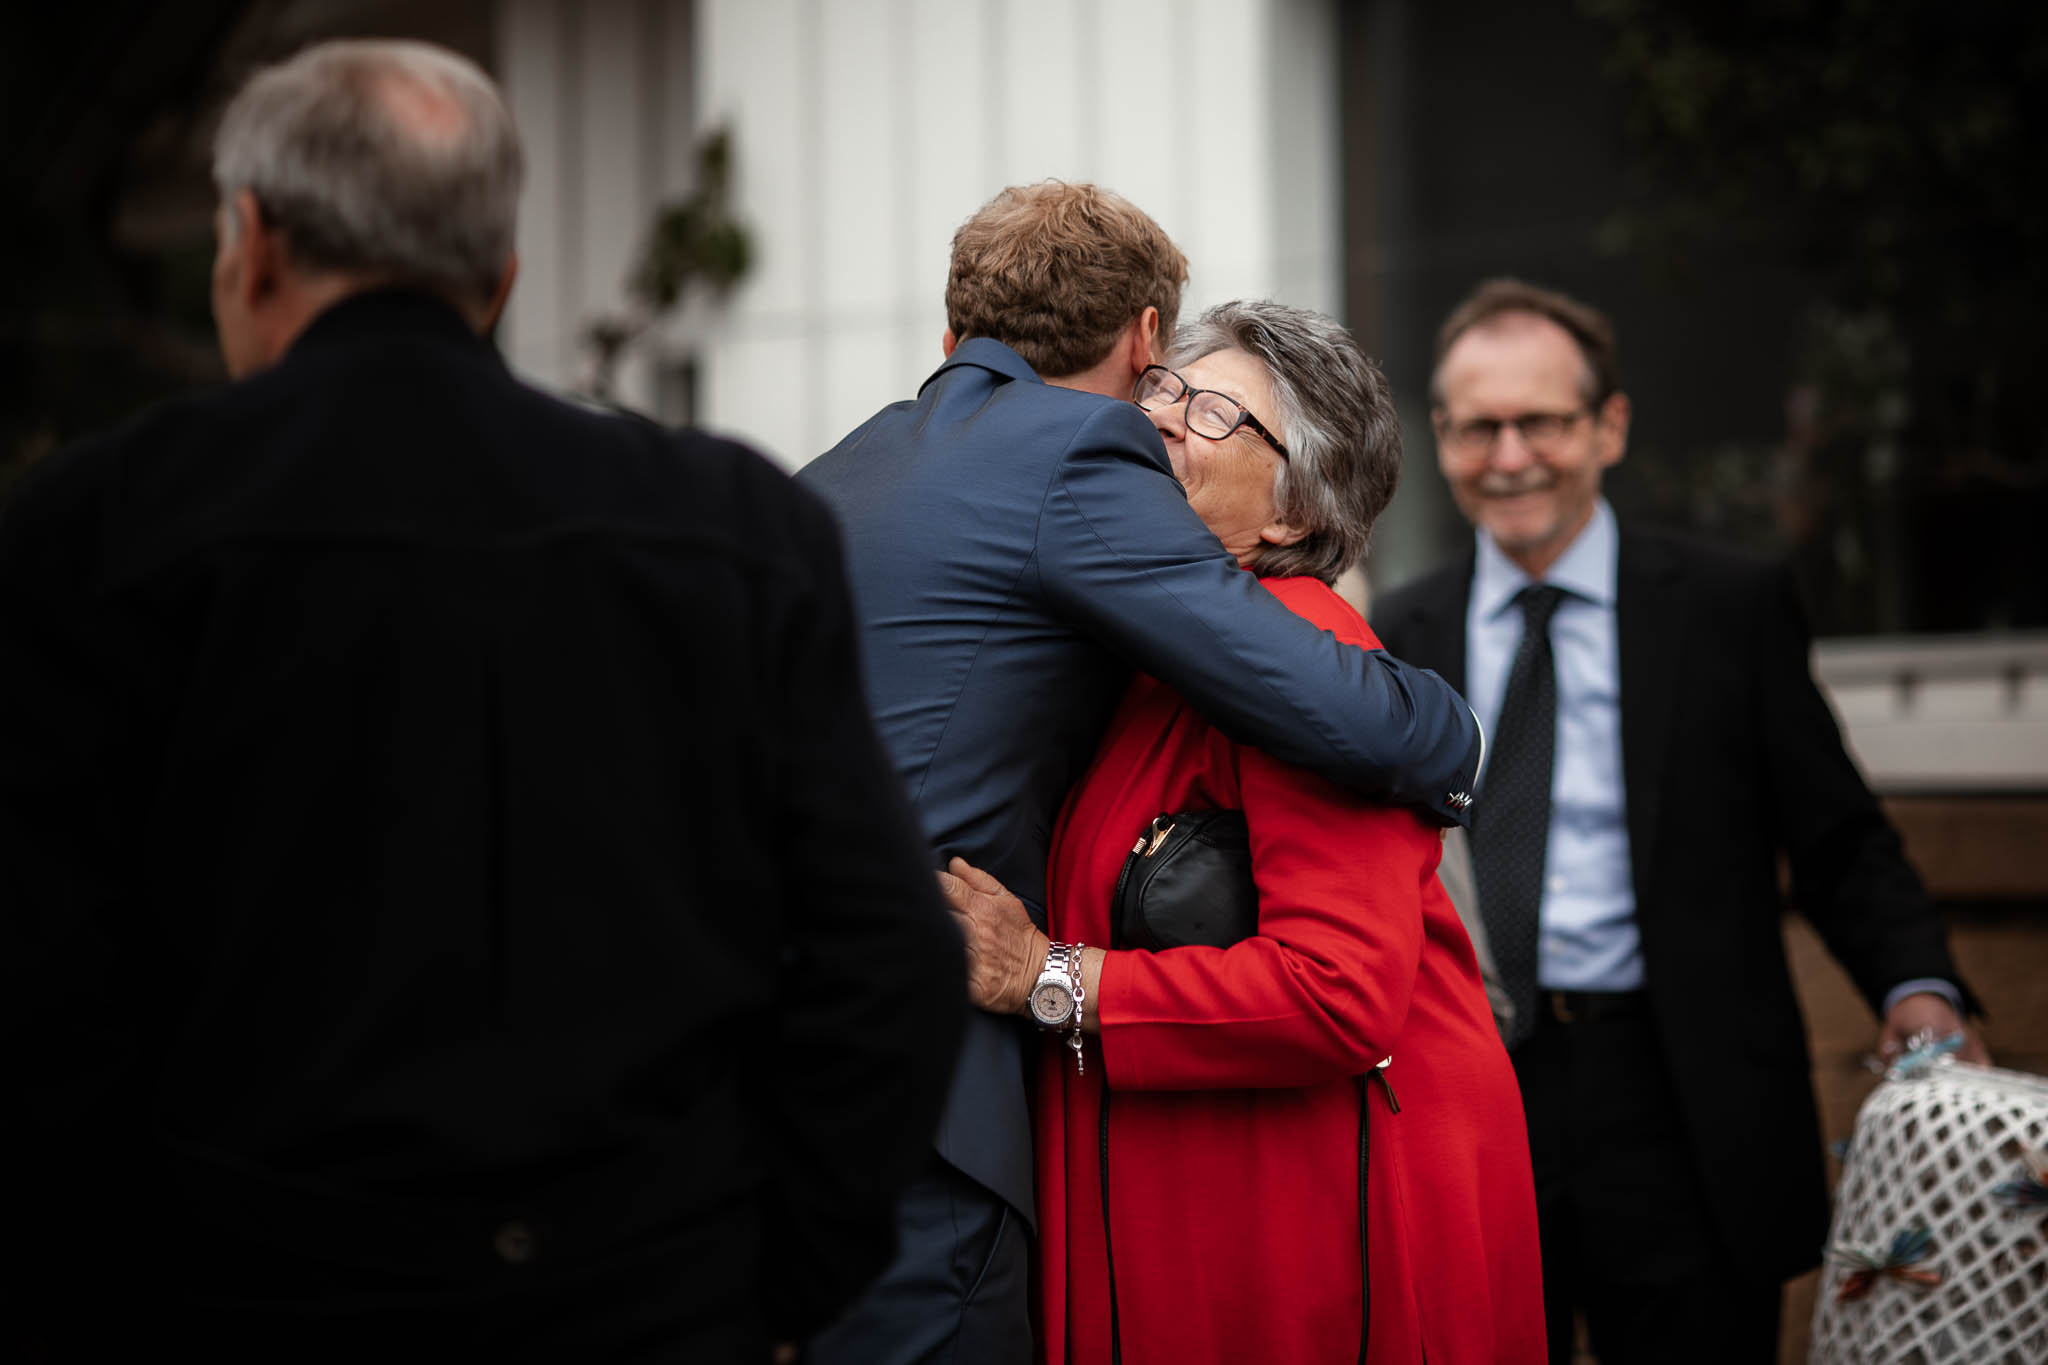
(1018, 545)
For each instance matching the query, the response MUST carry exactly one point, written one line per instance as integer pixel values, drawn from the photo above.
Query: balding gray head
(377, 157)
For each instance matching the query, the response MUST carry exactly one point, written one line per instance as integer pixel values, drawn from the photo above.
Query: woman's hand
(1005, 951)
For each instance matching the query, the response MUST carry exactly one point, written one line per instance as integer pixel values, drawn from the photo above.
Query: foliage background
(1891, 151)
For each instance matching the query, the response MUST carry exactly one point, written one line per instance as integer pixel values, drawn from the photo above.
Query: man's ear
(1141, 342)
(1612, 431)
(261, 249)
(948, 342)
(495, 309)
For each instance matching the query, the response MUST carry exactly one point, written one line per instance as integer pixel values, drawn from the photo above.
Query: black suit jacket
(450, 871)
(1731, 758)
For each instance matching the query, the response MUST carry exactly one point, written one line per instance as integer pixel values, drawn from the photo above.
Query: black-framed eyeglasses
(1540, 431)
(1215, 415)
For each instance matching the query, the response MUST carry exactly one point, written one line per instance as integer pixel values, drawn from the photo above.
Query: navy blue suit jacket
(1015, 550)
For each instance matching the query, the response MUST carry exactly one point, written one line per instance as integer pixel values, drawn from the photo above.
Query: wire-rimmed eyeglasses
(1540, 431)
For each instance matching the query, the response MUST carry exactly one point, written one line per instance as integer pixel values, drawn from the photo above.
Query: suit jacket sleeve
(1121, 554)
(1850, 876)
(1322, 991)
(872, 984)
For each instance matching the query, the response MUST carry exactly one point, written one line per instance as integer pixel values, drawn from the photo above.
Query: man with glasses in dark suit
(1656, 744)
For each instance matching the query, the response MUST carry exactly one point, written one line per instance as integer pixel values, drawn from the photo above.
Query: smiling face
(1229, 482)
(1532, 489)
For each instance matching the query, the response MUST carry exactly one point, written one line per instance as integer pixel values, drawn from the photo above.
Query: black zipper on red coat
(1116, 1342)
(1364, 1227)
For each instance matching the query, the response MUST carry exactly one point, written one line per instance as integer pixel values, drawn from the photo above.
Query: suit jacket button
(514, 1243)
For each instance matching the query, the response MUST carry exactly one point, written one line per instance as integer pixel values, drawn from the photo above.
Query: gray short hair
(390, 157)
(1343, 436)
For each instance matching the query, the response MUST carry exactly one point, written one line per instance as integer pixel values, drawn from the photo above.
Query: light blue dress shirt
(1588, 939)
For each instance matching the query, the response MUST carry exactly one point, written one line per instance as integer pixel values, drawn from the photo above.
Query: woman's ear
(1281, 533)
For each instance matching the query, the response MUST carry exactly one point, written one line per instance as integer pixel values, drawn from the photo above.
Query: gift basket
(1939, 1247)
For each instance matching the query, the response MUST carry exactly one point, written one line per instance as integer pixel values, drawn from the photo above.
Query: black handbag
(1188, 881)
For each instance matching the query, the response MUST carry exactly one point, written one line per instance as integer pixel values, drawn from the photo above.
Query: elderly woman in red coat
(1225, 1132)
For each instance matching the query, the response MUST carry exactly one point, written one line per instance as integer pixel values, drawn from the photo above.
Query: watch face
(1051, 1003)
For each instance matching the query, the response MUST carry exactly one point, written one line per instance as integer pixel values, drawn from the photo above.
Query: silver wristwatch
(1056, 995)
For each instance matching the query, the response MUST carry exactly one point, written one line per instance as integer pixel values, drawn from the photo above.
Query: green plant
(696, 242)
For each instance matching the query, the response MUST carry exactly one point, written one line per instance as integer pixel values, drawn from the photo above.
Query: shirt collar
(1586, 569)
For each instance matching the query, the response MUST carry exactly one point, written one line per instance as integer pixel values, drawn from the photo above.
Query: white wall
(604, 96)
(868, 130)
(1943, 714)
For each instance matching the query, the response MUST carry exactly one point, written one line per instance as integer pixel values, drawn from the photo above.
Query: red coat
(1233, 1130)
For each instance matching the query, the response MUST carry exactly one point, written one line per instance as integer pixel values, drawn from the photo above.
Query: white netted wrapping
(1929, 1150)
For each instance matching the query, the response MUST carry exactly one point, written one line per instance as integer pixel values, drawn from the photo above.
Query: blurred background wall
(1819, 227)
(862, 133)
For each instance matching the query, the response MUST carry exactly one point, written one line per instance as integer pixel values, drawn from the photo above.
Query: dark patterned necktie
(1511, 823)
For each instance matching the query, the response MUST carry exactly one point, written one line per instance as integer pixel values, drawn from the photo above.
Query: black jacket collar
(387, 312)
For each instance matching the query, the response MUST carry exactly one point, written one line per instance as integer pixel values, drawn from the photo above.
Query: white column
(602, 92)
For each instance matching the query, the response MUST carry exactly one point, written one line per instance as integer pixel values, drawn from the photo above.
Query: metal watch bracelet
(1080, 1005)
